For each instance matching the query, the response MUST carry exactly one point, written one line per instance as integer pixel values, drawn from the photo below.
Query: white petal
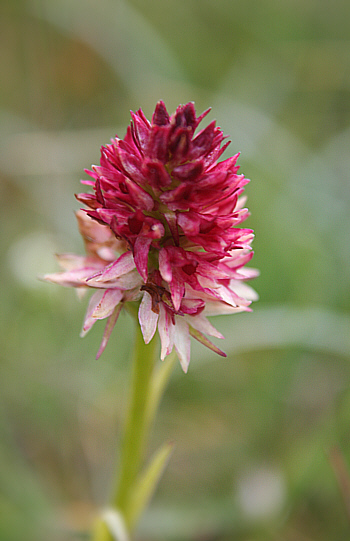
(200, 323)
(227, 294)
(217, 308)
(248, 272)
(241, 202)
(182, 342)
(243, 290)
(147, 318)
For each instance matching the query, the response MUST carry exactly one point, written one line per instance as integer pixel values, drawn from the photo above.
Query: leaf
(147, 483)
(159, 383)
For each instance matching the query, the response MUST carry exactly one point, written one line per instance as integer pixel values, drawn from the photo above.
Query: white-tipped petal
(112, 320)
(93, 304)
(108, 302)
(218, 308)
(182, 342)
(126, 281)
(202, 324)
(243, 290)
(166, 332)
(124, 264)
(248, 273)
(71, 278)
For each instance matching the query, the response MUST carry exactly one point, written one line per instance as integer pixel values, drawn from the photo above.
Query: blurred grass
(254, 432)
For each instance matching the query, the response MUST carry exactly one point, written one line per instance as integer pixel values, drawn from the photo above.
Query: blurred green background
(263, 437)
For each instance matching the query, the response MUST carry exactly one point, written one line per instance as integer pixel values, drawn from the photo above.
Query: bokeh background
(262, 438)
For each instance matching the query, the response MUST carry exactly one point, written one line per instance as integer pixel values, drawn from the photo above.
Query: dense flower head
(160, 228)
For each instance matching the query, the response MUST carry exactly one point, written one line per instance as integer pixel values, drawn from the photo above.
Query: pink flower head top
(160, 228)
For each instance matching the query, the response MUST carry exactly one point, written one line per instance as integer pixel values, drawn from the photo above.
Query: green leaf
(147, 483)
(158, 385)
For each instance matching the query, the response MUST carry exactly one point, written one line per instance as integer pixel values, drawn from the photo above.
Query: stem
(136, 423)
(146, 390)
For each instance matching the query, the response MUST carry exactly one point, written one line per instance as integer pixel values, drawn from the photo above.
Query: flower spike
(161, 227)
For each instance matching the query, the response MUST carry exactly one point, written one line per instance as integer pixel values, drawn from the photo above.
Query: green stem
(146, 390)
(136, 423)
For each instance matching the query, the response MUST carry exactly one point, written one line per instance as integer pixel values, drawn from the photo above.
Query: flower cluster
(160, 228)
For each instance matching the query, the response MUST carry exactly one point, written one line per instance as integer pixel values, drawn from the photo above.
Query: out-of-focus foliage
(262, 438)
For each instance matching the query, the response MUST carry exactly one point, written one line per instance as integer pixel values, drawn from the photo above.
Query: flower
(160, 228)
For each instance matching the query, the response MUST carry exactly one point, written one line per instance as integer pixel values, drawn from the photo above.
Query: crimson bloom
(160, 229)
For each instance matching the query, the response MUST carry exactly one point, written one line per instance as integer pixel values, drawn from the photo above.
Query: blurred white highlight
(262, 493)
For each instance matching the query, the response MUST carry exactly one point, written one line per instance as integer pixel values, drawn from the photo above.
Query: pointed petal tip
(184, 363)
(83, 333)
(203, 115)
(184, 367)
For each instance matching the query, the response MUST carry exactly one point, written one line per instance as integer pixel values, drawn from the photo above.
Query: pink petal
(172, 223)
(160, 116)
(130, 163)
(124, 264)
(200, 118)
(141, 129)
(177, 290)
(189, 223)
(109, 301)
(156, 173)
(147, 318)
(127, 281)
(157, 145)
(192, 306)
(141, 249)
(164, 265)
(202, 143)
(188, 171)
(112, 320)
(139, 195)
(93, 304)
(73, 278)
